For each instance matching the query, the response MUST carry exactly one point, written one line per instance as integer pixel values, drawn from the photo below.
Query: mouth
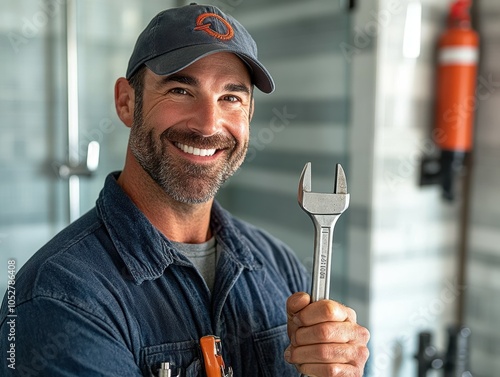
(195, 151)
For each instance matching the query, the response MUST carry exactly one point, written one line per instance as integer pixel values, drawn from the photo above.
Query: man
(132, 287)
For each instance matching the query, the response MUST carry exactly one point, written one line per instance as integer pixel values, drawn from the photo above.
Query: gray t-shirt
(204, 257)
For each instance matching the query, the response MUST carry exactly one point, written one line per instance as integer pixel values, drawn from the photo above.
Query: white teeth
(195, 151)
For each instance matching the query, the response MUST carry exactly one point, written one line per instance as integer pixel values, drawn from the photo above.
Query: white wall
(411, 241)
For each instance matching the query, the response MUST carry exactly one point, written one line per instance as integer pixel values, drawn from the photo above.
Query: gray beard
(184, 182)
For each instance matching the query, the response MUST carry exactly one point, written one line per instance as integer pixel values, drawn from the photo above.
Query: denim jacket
(111, 296)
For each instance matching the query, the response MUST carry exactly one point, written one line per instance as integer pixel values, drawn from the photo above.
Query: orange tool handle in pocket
(211, 349)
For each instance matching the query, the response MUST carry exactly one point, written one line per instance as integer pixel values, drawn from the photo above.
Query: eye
(231, 98)
(180, 91)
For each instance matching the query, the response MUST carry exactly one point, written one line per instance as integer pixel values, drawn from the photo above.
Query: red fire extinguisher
(458, 52)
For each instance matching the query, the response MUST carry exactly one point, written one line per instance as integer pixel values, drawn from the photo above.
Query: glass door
(32, 122)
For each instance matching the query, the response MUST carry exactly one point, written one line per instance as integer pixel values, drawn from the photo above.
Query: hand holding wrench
(324, 210)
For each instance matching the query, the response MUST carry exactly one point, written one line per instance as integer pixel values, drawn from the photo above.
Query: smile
(195, 151)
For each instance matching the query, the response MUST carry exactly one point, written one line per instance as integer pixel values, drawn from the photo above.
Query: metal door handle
(86, 168)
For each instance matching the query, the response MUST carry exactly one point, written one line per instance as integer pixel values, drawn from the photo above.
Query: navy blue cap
(177, 37)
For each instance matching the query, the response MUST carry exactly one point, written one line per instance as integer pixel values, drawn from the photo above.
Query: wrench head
(323, 203)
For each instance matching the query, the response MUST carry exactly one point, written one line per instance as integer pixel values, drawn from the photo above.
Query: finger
(331, 332)
(296, 303)
(324, 311)
(347, 353)
(333, 370)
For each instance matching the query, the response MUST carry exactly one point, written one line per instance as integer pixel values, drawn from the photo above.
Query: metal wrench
(324, 210)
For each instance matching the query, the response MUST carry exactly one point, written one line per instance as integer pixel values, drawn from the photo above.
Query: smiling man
(137, 285)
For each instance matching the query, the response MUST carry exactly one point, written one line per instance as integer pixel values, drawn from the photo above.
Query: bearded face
(190, 129)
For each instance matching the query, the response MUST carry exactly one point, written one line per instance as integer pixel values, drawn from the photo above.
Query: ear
(252, 107)
(124, 101)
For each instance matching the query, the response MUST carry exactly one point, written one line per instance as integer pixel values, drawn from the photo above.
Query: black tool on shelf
(454, 362)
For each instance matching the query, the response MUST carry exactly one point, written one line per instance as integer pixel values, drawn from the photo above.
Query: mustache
(217, 141)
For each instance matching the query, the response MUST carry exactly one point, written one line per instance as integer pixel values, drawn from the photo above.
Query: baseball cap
(177, 37)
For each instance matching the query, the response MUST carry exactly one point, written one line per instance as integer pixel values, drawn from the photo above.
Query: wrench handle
(323, 241)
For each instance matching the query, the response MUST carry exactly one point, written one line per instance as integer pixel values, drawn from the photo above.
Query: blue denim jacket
(111, 296)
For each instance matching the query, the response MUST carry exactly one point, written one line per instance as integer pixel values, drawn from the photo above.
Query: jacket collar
(145, 250)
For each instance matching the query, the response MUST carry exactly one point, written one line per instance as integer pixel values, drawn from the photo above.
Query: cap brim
(175, 61)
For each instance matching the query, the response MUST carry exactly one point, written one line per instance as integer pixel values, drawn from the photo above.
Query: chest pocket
(184, 358)
(269, 345)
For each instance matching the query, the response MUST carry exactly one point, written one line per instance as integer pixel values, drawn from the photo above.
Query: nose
(206, 118)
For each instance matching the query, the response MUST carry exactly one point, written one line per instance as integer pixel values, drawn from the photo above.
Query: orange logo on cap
(206, 27)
